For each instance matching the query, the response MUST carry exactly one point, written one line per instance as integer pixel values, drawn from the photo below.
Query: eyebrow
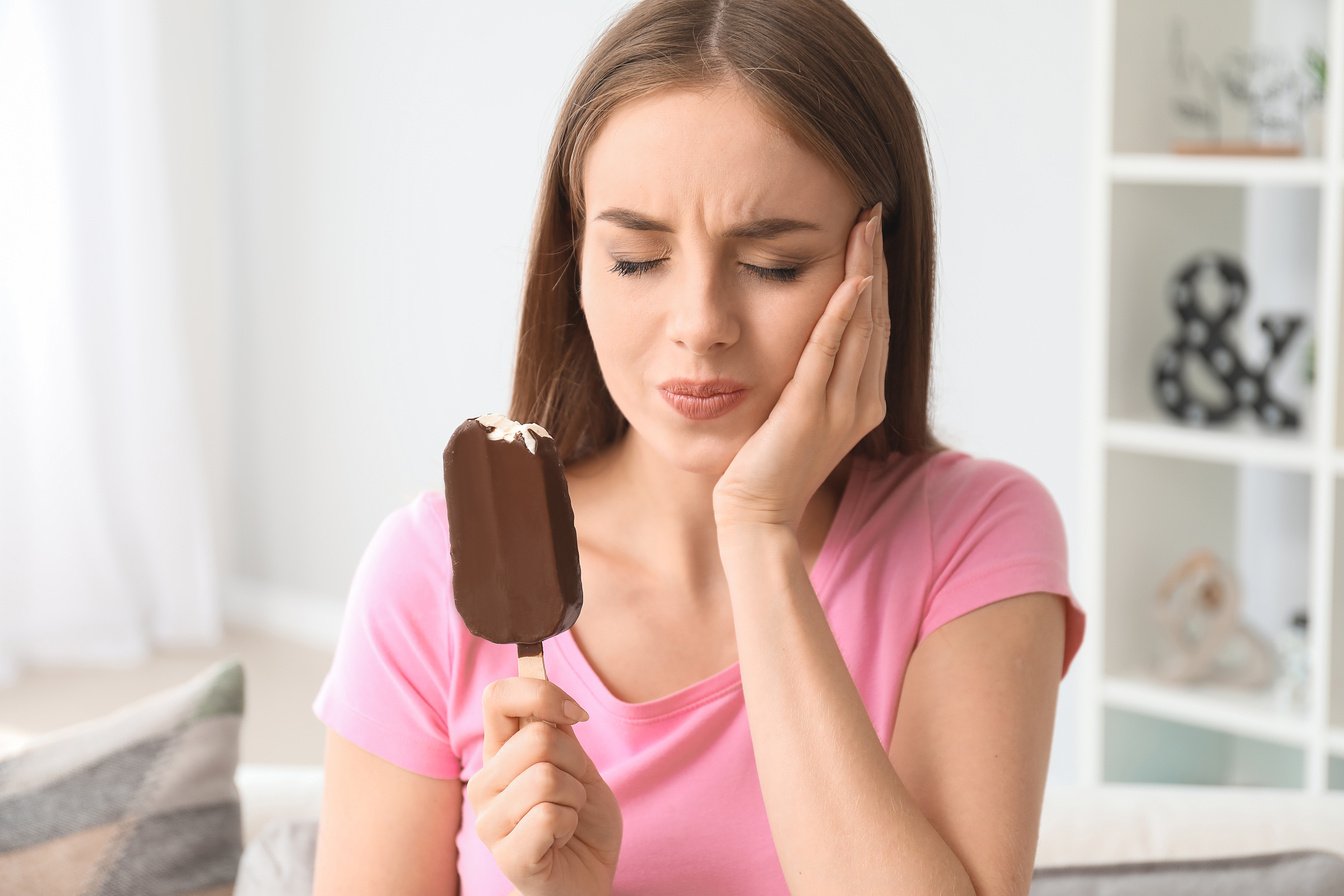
(764, 229)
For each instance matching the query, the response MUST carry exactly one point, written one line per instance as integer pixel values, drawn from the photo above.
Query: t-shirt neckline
(729, 679)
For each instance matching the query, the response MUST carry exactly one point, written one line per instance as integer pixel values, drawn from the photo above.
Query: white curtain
(105, 546)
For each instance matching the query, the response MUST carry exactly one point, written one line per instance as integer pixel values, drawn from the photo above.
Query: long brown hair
(829, 83)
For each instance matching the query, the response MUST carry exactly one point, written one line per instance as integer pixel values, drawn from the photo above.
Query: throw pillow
(1298, 873)
(140, 802)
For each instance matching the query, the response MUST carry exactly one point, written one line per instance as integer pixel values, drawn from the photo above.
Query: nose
(702, 318)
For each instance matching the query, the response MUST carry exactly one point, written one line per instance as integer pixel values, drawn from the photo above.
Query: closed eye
(636, 268)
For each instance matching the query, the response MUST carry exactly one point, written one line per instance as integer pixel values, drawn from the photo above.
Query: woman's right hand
(541, 807)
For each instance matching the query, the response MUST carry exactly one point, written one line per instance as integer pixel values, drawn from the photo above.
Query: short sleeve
(995, 532)
(386, 690)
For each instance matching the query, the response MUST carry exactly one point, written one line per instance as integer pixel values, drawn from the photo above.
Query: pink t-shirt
(904, 555)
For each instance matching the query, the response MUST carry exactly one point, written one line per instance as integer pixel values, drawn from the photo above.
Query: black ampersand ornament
(1204, 339)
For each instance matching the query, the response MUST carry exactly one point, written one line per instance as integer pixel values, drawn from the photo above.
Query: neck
(660, 520)
(669, 518)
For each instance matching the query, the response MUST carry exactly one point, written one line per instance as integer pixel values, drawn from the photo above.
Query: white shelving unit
(1269, 503)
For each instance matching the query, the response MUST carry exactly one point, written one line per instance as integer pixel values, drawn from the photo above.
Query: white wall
(384, 171)
(198, 113)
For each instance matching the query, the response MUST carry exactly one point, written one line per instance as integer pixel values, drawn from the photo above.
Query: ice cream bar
(515, 554)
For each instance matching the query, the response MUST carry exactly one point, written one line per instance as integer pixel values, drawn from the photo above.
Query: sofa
(1080, 826)
(152, 798)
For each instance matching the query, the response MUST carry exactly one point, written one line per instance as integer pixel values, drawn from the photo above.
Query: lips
(703, 399)
(702, 388)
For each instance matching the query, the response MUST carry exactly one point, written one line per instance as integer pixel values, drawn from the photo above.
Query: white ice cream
(503, 429)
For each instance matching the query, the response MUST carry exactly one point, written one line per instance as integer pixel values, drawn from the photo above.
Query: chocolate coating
(515, 553)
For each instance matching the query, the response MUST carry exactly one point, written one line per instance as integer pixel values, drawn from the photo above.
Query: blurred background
(257, 260)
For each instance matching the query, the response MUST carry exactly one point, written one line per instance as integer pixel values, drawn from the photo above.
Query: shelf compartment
(1161, 509)
(1155, 168)
(1156, 230)
(1141, 749)
(1241, 447)
(1175, 61)
(1222, 709)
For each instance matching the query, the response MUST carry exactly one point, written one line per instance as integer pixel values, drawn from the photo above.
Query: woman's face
(671, 292)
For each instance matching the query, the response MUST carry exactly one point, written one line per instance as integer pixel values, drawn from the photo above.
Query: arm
(955, 808)
(977, 762)
(384, 829)
(1002, 662)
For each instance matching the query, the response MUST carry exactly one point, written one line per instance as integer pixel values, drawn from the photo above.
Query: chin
(698, 453)
(709, 465)
(702, 453)
(704, 448)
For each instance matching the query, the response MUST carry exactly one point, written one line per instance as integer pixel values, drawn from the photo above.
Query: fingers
(540, 782)
(827, 335)
(537, 785)
(535, 743)
(873, 379)
(856, 341)
(508, 701)
(528, 795)
(528, 847)
(821, 355)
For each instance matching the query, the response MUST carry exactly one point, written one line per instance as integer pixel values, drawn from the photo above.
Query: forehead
(707, 154)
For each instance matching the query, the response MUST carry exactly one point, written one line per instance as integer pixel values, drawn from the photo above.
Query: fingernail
(870, 231)
(864, 285)
(573, 712)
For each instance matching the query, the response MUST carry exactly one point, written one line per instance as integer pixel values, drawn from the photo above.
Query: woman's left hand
(836, 397)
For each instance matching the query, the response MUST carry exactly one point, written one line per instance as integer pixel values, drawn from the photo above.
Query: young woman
(727, 325)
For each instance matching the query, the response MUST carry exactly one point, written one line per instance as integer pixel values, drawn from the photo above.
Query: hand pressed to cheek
(818, 418)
